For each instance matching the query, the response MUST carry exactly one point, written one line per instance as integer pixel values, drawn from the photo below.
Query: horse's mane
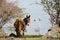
(25, 20)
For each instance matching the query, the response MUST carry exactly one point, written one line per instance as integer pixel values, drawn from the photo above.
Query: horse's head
(27, 20)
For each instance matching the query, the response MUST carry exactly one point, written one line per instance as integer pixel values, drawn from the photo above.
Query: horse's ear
(26, 15)
(29, 15)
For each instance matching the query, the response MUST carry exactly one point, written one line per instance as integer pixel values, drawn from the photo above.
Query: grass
(30, 36)
(25, 36)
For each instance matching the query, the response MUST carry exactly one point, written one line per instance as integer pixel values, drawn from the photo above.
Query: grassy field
(25, 37)
(28, 36)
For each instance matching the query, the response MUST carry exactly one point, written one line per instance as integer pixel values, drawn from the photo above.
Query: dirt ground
(20, 39)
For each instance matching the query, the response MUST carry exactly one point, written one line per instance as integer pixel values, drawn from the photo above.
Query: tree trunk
(57, 16)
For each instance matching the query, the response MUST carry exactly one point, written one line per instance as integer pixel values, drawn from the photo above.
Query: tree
(9, 10)
(52, 8)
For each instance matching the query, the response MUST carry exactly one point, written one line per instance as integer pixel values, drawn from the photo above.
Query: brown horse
(20, 25)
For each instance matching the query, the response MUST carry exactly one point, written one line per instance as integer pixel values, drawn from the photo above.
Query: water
(36, 11)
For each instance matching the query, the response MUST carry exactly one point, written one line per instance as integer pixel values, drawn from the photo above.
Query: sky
(36, 11)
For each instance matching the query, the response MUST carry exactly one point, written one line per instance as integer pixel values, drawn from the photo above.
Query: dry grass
(54, 30)
(20, 39)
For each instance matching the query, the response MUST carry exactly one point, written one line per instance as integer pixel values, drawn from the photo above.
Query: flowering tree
(9, 10)
(52, 8)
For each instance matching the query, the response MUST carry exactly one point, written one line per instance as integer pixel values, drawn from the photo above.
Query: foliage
(52, 8)
(9, 10)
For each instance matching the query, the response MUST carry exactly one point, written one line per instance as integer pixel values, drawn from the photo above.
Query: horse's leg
(23, 32)
(18, 33)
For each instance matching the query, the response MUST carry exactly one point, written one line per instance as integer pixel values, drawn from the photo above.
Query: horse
(20, 25)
